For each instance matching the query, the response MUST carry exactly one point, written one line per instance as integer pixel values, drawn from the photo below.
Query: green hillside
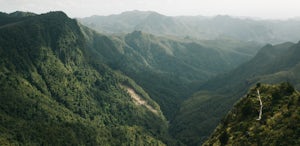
(200, 113)
(54, 93)
(62, 83)
(279, 124)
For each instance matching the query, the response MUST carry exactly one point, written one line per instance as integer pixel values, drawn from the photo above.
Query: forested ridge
(53, 93)
(278, 123)
(62, 83)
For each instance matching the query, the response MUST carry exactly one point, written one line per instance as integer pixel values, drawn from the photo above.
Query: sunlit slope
(54, 93)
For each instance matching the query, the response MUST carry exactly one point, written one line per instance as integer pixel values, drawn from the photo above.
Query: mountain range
(197, 27)
(138, 78)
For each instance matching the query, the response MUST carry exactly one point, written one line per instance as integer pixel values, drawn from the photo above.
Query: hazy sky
(274, 9)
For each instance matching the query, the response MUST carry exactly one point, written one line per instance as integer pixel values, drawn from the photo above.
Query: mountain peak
(21, 14)
(137, 12)
(56, 14)
(137, 33)
(275, 49)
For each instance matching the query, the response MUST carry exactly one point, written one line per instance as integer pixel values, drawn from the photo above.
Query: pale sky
(266, 9)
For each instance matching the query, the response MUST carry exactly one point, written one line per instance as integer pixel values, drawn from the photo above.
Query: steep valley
(62, 83)
(203, 111)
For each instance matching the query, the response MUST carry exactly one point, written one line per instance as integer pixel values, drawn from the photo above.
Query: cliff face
(279, 124)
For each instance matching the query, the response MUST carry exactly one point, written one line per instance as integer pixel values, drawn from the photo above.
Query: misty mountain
(116, 23)
(198, 27)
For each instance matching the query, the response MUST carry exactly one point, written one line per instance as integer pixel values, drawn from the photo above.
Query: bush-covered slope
(201, 113)
(54, 93)
(279, 124)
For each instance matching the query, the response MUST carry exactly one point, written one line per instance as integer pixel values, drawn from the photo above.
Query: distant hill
(198, 27)
(200, 113)
(54, 93)
(279, 124)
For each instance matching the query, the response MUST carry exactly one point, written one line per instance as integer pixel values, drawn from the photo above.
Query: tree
(261, 104)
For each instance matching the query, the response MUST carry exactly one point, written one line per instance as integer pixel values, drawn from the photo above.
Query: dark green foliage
(278, 125)
(287, 89)
(54, 93)
(247, 109)
(258, 85)
(224, 138)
